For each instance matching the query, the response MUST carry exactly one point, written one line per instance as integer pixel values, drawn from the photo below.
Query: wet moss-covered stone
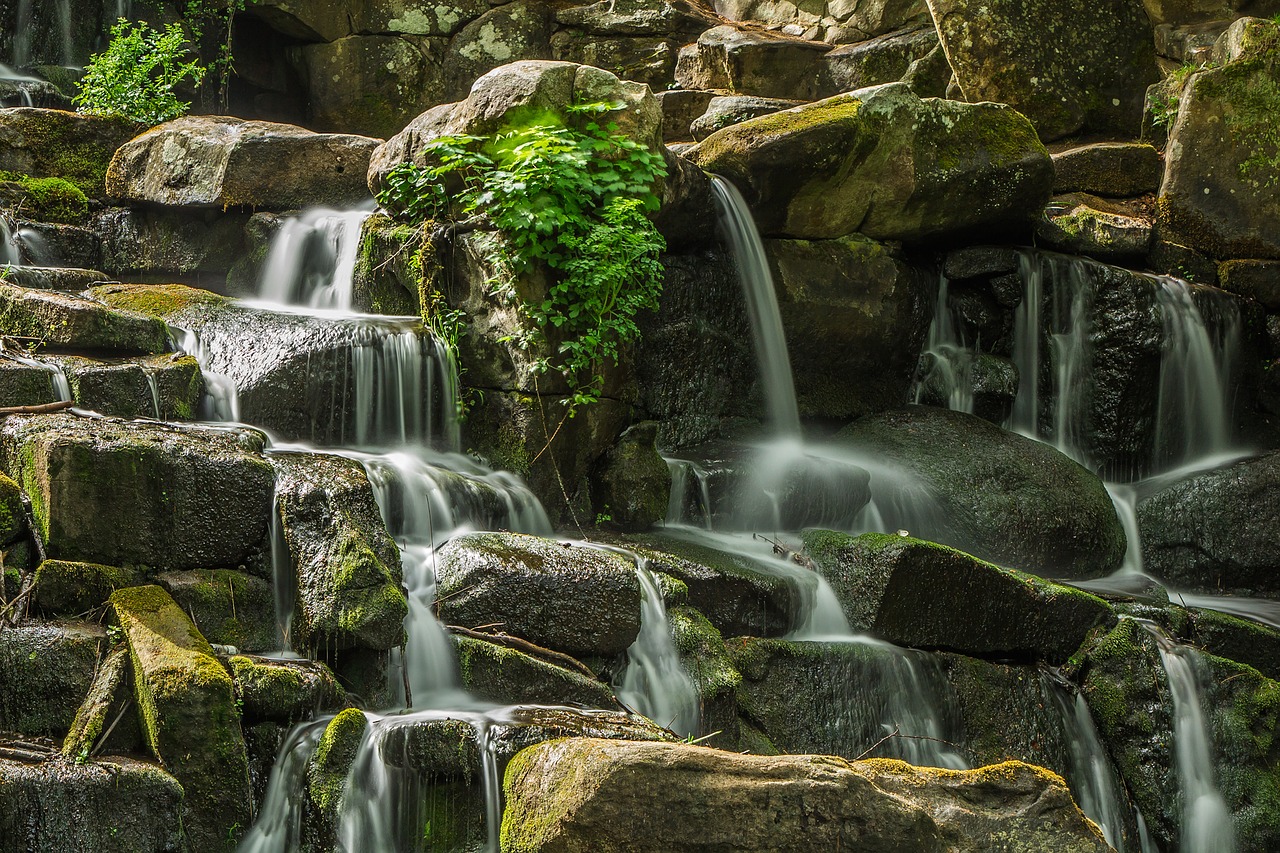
(55, 143)
(136, 493)
(107, 696)
(65, 588)
(229, 608)
(336, 749)
(511, 677)
(168, 243)
(113, 805)
(1082, 225)
(924, 595)
(1077, 65)
(283, 690)
(346, 566)
(43, 199)
(1241, 640)
(389, 275)
(45, 670)
(997, 495)
(837, 166)
(25, 384)
(186, 703)
(631, 489)
(13, 516)
(62, 320)
(164, 387)
(704, 657)
(161, 301)
(566, 597)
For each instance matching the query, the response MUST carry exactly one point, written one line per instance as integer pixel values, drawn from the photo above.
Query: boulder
(501, 96)
(190, 721)
(854, 315)
(346, 566)
(1078, 66)
(1080, 224)
(388, 271)
(631, 17)
(223, 162)
(840, 166)
(519, 30)
(727, 110)
(283, 690)
(645, 59)
(994, 494)
(1220, 167)
(751, 62)
(633, 485)
(566, 597)
(62, 279)
(1112, 169)
(62, 320)
(680, 108)
(923, 595)
(164, 387)
(373, 84)
(229, 608)
(171, 243)
(137, 493)
(508, 676)
(23, 383)
(1241, 640)
(114, 805)
(582, 794)
(884, 59)
(832, 21)
(52, 243)
(45, 670)
(69, 589)
(59, 144)
(1216, 530)
(1256, 280)
(704, 657)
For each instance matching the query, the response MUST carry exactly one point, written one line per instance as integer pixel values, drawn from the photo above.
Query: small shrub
(137, 75)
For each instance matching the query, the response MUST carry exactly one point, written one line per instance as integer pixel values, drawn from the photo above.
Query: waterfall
(653, 681)
(1092, 777)
(221, 401)
(1207, 825)
(278, 828)
(1026, 348)
(22, 34)
(311, 260)
(946, 363)
(762, 304)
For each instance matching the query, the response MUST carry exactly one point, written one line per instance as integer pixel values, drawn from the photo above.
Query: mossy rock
(59, 144)
(13, 515)
(65, 588)
(704, 657)
(336, 749)
(229, 608)
(186, 702)
(108, 695)
(510, 677)
(63, 320)
(164, 387)
(284, 691)
(924, 595)
(46, 668)
(633, 486)
(1240, 640)
(389, 274)
(838, 166)
(1081, 225)
(43, 199)
(161, 301)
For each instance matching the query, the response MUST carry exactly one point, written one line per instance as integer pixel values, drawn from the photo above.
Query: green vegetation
(572, 201)
(43, 199)
(137, 75)
(1168, 97)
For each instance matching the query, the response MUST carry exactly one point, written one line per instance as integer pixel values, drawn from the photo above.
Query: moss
(43, 199)
(76, 148)
(154, 300)
(332, 759)
(68, 588)
(505, 675)
(999, 135)
(703, 653)
(13, 516)
(722, 145)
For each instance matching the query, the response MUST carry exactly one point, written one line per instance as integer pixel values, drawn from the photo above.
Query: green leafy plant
(1166, 100)
(572, 200)
(137, 75)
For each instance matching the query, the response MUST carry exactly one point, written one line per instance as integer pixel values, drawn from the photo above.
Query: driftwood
(527, 647)
(42, 409)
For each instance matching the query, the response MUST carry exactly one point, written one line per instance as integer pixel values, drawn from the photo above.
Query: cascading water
(312, 258)
(1207, 825)
(947, 362)
(1093, 778)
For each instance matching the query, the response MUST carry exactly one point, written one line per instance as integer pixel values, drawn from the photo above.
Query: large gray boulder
(520, 30)
(218, 161)
(923, 595)
(967, 483)
(749, 62)
(1217, 530)
(126, 493)
(1221, 170)
(567, 597)
(1078, 65)
(346, 566)
(883, 163)
(582, 794)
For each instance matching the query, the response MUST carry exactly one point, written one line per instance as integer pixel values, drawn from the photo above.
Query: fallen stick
(527, 647)
(43, 408)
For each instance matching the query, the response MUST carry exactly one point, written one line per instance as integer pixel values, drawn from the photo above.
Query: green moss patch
(43, 199)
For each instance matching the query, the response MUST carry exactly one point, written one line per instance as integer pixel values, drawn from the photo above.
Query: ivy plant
(573, 200)
(138, 73)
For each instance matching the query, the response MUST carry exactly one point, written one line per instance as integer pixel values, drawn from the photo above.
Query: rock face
(919, 594)
(61, 320)
(883, 163)
(565, 597)
(1221, 169)
(750, 62)
(186, 702)
(346, 566)
(507, 676)
(582, 794)
(216, 161)
(1118, 169)
(996, 495)
(1217, 530)
(1067, 66)
(45, 670)
(54, 143)
(190, 498)
(509, 33)
(115, 805)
